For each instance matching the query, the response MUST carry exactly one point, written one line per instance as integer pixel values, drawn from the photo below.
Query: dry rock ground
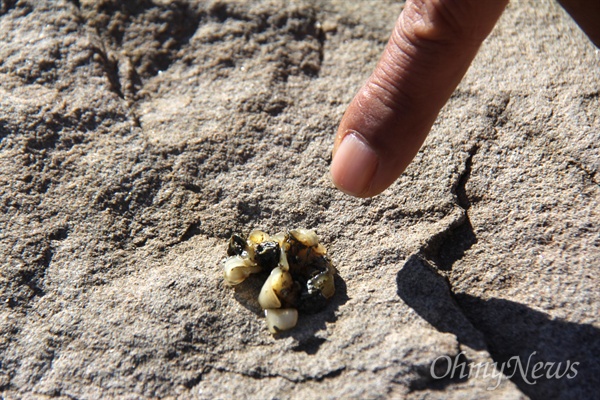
(135, 137)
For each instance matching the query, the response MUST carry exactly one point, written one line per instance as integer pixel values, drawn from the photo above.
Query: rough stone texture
(136, 136)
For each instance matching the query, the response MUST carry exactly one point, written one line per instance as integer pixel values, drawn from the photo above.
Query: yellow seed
(279, 238)
(267, 297)
(328, 289)
(283, 262)
(305, 236)
(320, 250)
(257, 237)
(281, 280)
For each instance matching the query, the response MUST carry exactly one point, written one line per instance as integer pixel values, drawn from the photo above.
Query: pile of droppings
(301, 275)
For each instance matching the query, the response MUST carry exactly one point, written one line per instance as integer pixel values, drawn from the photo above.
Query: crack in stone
(122, 77)
(459, 189)
(123, 66)
(449, 245)
(500, 323)
(261, 373)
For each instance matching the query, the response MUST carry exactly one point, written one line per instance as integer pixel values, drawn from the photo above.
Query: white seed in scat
(281, 280)
(283, 262)
(236, 269)
(279, 238)
(305, 236)
(281, 319)
(267, 297)
(283, 285)
(276, 283)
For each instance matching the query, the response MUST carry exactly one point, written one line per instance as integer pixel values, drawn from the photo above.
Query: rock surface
(136, 136)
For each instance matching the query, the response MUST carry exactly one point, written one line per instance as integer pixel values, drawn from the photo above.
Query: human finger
(429, 51)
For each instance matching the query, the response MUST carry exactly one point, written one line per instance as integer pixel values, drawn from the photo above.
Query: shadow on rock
(246, 293)
(428, 294)
(565, 353)
(450, 245)
(310, 324)
(544, 357)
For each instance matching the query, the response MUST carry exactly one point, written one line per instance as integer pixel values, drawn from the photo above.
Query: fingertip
(389, 118)
(354, 165)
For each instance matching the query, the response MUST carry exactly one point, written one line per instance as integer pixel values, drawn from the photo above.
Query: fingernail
(353, 165)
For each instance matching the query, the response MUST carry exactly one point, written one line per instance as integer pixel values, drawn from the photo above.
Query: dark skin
(429, 52)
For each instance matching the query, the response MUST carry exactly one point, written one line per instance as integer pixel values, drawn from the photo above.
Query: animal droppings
(301, 275)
